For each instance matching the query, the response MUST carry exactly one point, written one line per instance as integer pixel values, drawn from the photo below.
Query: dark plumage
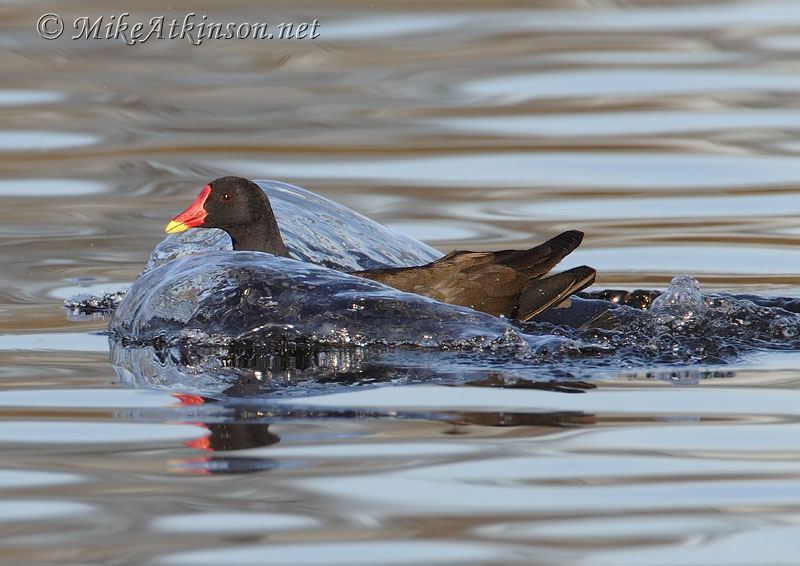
(508, 282)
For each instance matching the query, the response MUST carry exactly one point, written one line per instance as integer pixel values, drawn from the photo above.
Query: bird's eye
(226, 197)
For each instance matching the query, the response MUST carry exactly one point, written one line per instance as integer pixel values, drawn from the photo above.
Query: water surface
(669, 133)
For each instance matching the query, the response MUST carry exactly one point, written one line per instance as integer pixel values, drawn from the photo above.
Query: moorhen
(508, 282)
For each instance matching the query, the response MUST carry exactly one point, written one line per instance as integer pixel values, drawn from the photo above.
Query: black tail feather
(541, 294)
(536, 262)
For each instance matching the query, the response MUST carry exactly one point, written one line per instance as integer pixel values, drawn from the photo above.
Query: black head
(239, 207)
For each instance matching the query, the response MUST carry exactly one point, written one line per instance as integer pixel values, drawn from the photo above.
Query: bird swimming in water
(510, 283)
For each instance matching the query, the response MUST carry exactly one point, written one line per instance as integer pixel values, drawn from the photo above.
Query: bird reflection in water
(248, 427)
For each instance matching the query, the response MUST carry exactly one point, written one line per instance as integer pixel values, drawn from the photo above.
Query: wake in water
(683, 336)
(683, 326)
(207, 319)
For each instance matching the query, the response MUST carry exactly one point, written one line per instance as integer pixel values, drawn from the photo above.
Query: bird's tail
(541, 294)
(536, 262)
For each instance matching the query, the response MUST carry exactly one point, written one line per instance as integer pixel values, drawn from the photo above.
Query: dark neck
(261, 236)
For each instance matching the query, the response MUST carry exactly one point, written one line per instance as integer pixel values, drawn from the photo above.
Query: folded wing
(507, 282)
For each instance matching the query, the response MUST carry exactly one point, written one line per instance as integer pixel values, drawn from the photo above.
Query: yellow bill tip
(175, 227)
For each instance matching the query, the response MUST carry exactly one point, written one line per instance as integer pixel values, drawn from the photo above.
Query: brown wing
(469, 279)
(498, 283)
